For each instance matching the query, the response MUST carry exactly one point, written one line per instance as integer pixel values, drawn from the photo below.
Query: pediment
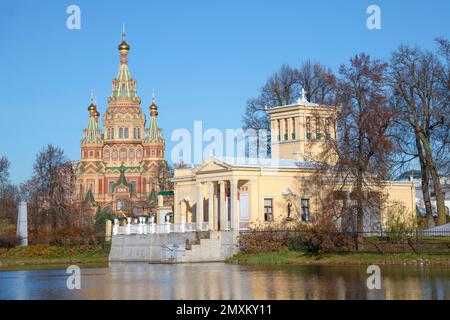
(212, 166)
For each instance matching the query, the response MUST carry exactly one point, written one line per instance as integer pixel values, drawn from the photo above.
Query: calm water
(222, 281)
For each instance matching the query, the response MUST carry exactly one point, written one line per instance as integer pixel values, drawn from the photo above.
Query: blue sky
(203, 58)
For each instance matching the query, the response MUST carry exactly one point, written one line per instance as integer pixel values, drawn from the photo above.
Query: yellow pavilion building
(238, 193)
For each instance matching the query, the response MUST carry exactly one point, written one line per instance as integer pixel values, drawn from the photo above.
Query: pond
(228, 282)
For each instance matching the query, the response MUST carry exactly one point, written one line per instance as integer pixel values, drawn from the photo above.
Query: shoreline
(49, 257)
(302, 259)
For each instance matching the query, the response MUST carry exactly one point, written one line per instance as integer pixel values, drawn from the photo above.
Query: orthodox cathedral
(119, 162)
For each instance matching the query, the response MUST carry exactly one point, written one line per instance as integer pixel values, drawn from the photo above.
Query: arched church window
(120, 204)
(123, 154)
(112, 133)
(139, 154)
(153, 153)
(131, 153)
(106, 154)
(126, 133)
(114, 154)
(139, 132)
(120, 133)
(133, 186)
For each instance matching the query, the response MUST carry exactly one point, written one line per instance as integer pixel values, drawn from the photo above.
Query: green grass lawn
(301, 258)
(42, 256)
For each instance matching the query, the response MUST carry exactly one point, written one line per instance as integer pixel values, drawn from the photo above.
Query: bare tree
(50, 189)
(417, 81)
(161, 176)
(4, 170)
(283, 88)
(353, 169)
(318, 81)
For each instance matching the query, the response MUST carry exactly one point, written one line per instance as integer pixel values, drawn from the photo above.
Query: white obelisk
(22, 224)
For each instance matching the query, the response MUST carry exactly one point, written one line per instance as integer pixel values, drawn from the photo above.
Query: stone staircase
(208, 246)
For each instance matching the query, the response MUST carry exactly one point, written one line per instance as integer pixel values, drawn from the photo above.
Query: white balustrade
(144, 227)
(116, 227)
(128, 225)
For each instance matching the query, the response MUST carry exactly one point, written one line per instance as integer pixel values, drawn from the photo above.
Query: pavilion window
(318, 134)
(293, 128)
(268, 210)
(308, 128)
(285, 129)
(304, 204)
(327, 128)
(278, 130)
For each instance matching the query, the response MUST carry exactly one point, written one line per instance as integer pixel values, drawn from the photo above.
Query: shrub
(8, 241)
(323, 237)
(398, 225)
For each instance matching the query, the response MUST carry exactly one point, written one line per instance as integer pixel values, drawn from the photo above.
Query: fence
(414, 241)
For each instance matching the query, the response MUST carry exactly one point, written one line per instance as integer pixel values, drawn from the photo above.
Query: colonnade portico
(215, 207)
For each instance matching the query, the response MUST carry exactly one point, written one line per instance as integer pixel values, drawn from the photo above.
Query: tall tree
(357, 163)
(51, 187)
(283, 87)
(318, 81)
(8, 194)
(4, 170)
(417, 81)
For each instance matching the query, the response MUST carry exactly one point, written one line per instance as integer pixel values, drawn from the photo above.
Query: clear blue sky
(204, 58)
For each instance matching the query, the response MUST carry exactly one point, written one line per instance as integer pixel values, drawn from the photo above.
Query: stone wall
(174, 247)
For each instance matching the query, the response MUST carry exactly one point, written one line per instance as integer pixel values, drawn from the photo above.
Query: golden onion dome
(97, 114)
(124, 46)
(92, 107)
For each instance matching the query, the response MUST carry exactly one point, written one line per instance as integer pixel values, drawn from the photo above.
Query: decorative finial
(303, 98)
(92, 106)
(153, 95)
(124, 47)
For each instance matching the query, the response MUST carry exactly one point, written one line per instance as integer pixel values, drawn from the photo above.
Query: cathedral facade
(119, 163)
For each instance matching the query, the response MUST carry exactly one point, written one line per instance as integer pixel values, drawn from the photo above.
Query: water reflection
(227, 282)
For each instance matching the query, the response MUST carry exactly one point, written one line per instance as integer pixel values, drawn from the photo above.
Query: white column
(22, 224)
(199, 210)
(223, 209)
(234, 205)
(211, 205)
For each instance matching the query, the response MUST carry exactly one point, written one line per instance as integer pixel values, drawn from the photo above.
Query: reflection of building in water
(404, 287)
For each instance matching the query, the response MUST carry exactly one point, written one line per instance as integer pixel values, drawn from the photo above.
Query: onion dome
(124, 46)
